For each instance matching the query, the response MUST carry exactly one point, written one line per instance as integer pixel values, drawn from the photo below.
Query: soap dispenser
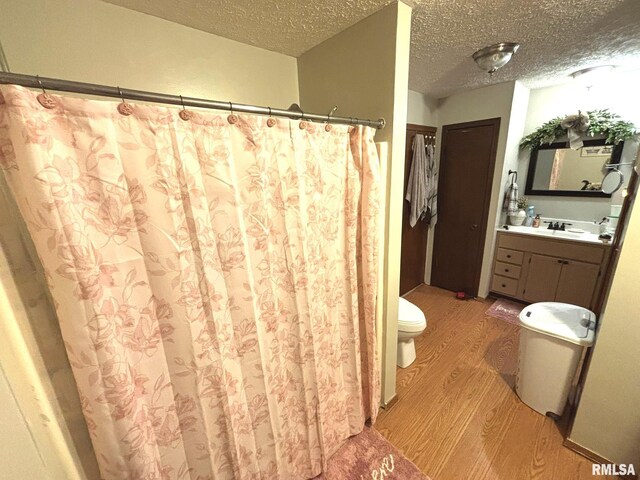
(536, 221)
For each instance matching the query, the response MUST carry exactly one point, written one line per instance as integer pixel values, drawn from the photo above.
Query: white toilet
(411, 323)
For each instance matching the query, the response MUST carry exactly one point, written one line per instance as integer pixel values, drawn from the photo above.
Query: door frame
(422, 130)
(493, 122)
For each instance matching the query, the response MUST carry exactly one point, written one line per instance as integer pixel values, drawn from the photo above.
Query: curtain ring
(184, 113)
(303, 124)
(270, 121)
(232, 118)
(123, 107)
(44, 99)
(351, 127)
(327, 125)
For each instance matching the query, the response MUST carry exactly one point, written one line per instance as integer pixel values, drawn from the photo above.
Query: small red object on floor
(463, 296)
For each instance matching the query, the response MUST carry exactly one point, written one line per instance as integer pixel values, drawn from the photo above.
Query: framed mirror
(556, 170)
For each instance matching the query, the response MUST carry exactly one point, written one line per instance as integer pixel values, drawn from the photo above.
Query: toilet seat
(410, 318)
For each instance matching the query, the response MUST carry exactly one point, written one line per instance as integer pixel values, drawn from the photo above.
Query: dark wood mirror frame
(615, 158)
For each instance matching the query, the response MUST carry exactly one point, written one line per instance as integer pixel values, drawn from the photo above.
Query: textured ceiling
(557, 37)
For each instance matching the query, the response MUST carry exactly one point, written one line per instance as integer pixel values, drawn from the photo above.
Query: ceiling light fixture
(495, 56)
(590, 76)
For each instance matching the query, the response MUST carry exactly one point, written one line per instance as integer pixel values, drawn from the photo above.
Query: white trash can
(552, 341)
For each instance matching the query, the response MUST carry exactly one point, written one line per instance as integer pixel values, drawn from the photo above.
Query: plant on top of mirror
(599, 122)
(523, 202)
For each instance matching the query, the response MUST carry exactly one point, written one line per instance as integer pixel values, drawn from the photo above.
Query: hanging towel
(511, 198)
(432, 185)
(417, 186)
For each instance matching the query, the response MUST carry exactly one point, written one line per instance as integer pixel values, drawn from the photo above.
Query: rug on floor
(505, 310)
(369, 456)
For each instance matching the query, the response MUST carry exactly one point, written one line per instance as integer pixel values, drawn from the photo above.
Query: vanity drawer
(507, 270)
(510, 256)
(504, 285)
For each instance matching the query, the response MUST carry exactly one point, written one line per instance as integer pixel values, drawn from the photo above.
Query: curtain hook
(270, 121)
(232, 118)
(328, 126)
(40, 83)
(123, 107)
(44, 98)
(184, 113)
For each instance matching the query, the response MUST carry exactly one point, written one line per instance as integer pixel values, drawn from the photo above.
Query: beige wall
(494, 101)
(34, 361)
(422, 109)
(364, 70)
(608, 416)
(19, 456)
(92, 41)
(517, 121)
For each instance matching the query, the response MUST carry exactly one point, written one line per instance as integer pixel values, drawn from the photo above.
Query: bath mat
(369, 456)
(505, 310)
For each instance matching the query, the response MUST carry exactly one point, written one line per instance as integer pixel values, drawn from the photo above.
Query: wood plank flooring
(457, 416)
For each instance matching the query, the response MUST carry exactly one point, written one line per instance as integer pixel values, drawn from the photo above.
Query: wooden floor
(457, 416)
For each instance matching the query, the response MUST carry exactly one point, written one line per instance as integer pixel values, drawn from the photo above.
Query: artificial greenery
(523, 202)
(601, 122)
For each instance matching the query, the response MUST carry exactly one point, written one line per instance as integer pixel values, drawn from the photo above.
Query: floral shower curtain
(215, 282)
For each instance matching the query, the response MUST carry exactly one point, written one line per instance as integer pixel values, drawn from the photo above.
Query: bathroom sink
(545, 232)
(565, 234)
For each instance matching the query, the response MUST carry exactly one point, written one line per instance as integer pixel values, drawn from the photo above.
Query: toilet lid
(410, 317)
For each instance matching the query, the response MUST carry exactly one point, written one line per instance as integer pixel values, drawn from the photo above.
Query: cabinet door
(577, 283)
(542, 278)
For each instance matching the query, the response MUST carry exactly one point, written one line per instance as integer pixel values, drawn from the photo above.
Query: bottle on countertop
(604, 225)
(531, 213)
(536, 221)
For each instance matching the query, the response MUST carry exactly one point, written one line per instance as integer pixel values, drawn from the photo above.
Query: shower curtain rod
(140, 95)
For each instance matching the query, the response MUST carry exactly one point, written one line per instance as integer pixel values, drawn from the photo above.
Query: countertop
(582, 236)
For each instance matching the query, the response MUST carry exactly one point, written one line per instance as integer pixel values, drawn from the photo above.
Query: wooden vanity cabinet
(539, 269)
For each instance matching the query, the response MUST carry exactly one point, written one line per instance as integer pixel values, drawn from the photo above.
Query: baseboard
(390, 403)
(410, 291)
(594, 457)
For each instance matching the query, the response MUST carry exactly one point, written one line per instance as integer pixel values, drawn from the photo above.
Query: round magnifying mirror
(612, 181)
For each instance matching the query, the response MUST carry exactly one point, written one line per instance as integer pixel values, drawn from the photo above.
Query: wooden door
(577, 282)
(542, 278)
(414, 239)
(467, 163)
